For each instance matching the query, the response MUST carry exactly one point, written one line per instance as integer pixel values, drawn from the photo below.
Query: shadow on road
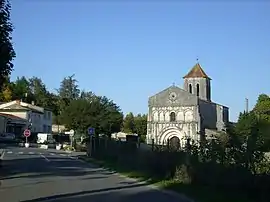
(37, 168)
(108, 194)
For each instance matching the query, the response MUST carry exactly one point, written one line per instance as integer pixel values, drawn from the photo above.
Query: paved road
(31, 174)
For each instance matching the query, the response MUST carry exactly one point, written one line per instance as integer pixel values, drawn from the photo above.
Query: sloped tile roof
(196, 72)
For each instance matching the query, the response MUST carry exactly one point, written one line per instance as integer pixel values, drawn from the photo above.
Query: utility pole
(246, 105)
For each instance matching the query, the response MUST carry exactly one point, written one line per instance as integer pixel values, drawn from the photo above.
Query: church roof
(196, 72)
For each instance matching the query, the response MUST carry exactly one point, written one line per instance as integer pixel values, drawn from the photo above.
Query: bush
(212, 164)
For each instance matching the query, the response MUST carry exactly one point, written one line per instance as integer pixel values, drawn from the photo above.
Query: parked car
(7, 136)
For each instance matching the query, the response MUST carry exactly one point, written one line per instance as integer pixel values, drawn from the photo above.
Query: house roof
(17, 104)
(196, 72)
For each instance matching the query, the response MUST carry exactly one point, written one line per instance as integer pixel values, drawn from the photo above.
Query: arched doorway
(174, 143)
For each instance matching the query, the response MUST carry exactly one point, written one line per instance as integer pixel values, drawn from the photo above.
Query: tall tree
(69, 88)
(140, 122)
(39, 92)
(129, 123)
(7, 53)
(21, 89)
(100, 113)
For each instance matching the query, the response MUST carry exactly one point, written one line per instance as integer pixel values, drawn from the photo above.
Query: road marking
(9, 152)
(48, 160)
(20, 152)
(62, 155)
(31, 153)
(52, 154)
(2, 155)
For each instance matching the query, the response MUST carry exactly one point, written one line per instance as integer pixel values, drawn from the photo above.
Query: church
(177, 114)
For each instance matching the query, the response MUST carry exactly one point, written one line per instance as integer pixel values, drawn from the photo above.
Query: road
(32, 174)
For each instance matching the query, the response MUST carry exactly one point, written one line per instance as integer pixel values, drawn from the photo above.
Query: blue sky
(131, 50)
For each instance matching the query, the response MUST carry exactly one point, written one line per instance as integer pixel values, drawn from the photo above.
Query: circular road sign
(26, 133)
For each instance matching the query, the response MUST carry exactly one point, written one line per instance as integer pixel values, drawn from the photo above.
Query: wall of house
(2, 124)
(42, 122)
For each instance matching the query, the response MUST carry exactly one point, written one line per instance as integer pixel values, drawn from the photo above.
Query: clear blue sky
(130, 51)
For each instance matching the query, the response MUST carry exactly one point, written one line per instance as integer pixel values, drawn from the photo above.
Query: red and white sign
(26, 133)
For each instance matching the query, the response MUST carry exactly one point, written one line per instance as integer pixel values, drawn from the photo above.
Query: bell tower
(198, 83)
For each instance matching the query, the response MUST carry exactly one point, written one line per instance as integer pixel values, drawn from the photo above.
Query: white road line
(20, 152)
(31, 153)
(48, 160)
(73, 157)
(52, 154)
(3, 154)
(62, 154)
(9, 152)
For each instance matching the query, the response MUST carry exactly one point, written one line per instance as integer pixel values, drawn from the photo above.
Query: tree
(99, 113)
(262, 111)
(21, 89)
(6, 94)
(7, 53)
(129, 123)
(39, 92)
(140, 122)
(69, 88)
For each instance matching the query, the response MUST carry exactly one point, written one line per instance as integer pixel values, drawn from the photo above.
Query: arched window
(190, 88)
(172, 117)
(198, 89)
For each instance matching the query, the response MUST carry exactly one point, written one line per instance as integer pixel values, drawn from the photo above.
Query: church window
(172, 116)
(190, 88)
(198, 89)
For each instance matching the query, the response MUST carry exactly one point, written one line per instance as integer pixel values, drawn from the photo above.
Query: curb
(182, 197)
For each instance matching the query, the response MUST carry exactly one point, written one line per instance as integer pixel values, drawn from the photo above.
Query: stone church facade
(176, 114)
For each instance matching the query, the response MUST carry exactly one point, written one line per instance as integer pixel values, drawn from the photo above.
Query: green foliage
(135, 124)
(129, 123)
(7, 53)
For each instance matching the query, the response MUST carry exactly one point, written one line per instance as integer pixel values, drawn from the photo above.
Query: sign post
(91, 132)
(26, 134)
(71, 133)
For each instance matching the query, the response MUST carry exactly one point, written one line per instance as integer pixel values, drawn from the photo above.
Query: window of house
(190, 88)
(198, 89)
(172, 117)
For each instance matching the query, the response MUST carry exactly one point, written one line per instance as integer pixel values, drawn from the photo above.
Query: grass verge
(197, 193)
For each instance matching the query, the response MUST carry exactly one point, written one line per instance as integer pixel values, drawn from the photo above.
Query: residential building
(21, 115)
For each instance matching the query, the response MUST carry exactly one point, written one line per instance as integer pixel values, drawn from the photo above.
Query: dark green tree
(99, 113)
(69, 88)
(40, 94)
(7, 53)
(129, 123)
(21, 90)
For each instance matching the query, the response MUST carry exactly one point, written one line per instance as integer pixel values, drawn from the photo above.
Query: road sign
(71, 133)
(26, 133)
(91, 131)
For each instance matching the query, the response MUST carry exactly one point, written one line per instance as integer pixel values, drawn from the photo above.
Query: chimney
(32, 103)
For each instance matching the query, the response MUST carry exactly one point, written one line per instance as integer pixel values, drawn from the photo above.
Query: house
(17, 116)
(177, 114)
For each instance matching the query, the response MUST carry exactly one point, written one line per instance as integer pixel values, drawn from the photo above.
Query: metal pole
(90, 146)
(246, 105)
